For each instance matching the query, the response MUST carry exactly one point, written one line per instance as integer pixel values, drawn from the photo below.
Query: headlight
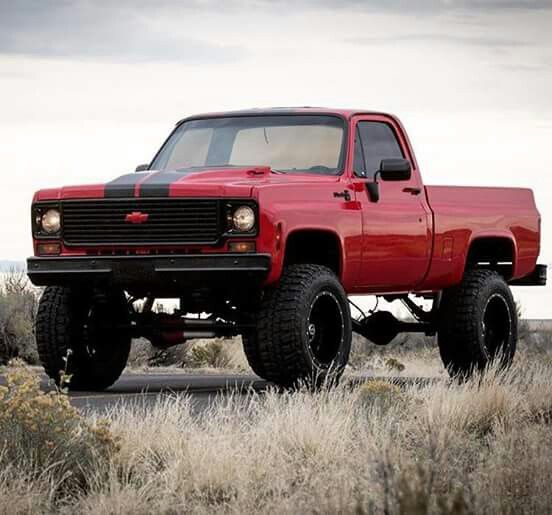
(50, 222)
(243, 219)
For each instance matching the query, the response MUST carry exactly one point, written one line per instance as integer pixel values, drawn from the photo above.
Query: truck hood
(216, 182)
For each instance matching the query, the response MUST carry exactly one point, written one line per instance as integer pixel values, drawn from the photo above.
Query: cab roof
(260, 111)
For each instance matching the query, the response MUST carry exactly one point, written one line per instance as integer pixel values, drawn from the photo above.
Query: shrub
(380, 394)
(224, 354)
(377, 387)
(394, 364)
(42, 432)
(18, 304)
(209, 354)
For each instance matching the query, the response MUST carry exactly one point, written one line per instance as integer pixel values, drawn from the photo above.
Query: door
(396, 239)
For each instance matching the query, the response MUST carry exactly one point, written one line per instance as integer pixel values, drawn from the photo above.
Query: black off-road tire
(65, 330)
(303, 329)
(478, 323)
(251, 349)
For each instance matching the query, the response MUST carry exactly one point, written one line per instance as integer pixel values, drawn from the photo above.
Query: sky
(89, 89)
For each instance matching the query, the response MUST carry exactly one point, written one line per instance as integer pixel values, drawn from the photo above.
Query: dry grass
(477, 447)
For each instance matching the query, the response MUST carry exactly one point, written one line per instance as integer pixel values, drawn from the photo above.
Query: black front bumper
(214, 270)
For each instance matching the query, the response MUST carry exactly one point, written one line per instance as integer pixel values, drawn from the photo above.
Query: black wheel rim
(497, 325)
(325, 328)
(97, 334)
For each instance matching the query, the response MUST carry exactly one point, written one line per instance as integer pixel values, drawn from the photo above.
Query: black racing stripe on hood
(158, 184)
(123, 186)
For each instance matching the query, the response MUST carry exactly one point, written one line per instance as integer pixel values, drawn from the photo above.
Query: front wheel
(76, 333)
(478, 323)
(303, 329)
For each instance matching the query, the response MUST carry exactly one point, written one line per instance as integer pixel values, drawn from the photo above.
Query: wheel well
(315, 247)
(494, 253)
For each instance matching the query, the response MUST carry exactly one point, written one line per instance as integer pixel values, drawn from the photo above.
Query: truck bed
(461, 215)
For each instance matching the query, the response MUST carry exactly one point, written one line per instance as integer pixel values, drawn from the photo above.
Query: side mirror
(395, 170)
(142, 168)
(389, 170)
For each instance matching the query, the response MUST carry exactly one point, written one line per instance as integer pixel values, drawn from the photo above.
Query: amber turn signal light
(241, 246)
(49, 249)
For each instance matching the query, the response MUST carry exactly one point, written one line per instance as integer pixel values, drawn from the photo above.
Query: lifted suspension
(164, 330)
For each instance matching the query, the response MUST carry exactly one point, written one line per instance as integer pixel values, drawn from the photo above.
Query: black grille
(169, 221)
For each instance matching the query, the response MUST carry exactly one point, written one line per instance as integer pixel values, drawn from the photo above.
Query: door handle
(412, 191)
(342, 194)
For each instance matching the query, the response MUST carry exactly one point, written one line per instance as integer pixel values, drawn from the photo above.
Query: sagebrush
(45, 439)
(18, 304)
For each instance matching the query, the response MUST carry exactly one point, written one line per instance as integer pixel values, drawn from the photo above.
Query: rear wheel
(76, 332)
(303, 329)
(478, 323)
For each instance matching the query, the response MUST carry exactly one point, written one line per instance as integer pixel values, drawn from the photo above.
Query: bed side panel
(463, 214)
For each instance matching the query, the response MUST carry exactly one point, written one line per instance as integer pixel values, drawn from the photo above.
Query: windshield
(294, 143)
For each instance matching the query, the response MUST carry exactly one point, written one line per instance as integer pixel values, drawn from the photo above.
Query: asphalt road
(203, 389)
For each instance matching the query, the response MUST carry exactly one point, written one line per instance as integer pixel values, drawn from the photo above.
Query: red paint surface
(402, 243)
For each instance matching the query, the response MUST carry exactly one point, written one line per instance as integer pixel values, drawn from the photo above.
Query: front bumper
(215, 270)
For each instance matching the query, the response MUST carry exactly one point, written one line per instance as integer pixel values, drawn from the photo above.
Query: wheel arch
(314, 246)
(496, 252)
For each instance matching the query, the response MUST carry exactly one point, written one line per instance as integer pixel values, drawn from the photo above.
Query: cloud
(470, 40)
(130, 31)
(118, 32)
(428, 5)
(526, 68)
(10, 74)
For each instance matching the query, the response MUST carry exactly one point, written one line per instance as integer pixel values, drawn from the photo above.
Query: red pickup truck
(262, 223)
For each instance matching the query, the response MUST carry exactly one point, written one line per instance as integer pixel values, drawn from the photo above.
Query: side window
(376, 141)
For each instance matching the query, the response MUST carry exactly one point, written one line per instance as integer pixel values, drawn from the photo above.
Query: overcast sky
(89, 89)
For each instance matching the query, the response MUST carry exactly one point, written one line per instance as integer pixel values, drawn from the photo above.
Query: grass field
(482, 446)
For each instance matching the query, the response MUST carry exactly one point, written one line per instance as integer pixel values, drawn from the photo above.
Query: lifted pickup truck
(262, 223)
